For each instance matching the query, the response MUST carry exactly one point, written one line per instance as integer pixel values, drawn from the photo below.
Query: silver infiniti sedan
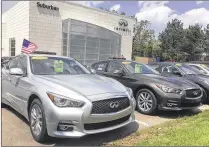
(61, 98)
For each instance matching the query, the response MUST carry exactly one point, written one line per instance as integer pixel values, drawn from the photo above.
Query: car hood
(176, 82)
(88, 84)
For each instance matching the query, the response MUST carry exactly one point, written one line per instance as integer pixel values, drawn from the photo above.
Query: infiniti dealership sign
(123, 27)
(123, 23)
(47, 6)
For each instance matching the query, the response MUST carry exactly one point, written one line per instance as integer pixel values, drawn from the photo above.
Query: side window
(94, 66)
(101, 66)
(113, 66)
(23, 64)
(174, 69)
(165, 69)
(170, 69)
(13, 63)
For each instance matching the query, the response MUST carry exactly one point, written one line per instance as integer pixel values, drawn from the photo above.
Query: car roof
(122, 60)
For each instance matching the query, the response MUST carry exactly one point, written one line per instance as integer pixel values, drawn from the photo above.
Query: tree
(206, 31)
(157, 51)
(142, 40)
(171, 39)
(122, 13)
(114, 11)
(194, 41)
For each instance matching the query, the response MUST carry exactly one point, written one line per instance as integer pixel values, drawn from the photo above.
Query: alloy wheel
(36, 119)
(145, 101)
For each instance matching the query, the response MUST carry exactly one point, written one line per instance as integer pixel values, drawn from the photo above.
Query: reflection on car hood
(170, 81)
(86, 84)
(197, 78)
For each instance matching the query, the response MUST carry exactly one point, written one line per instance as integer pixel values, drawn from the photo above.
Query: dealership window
(12, 46)
(89, 43)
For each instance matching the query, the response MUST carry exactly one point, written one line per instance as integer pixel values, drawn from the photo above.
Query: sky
(157, 12)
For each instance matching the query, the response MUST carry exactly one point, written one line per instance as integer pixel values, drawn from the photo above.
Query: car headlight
(167, 89)
(130, 92)
(61, 101)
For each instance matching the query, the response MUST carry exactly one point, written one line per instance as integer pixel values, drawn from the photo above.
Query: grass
(187, 131)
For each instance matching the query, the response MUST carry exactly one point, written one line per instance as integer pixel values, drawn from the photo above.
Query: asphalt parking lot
(16, 132)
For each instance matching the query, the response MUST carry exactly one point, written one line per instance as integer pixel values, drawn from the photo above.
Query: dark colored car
(170, 69)
(5, 60)
(151, 90)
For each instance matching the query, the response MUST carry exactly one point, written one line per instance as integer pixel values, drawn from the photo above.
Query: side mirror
(93, 71)
(119, 72)
(16, 71)
(177, 73)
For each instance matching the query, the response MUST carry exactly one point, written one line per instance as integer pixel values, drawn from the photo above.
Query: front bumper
(83, 122)
(179, 102)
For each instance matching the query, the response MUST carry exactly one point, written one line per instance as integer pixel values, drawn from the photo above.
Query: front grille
(104, 106)
(193, 93)
(95, 126)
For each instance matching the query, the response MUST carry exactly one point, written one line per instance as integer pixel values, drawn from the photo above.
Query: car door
(7, 80)
(124, 78)
(21, 85)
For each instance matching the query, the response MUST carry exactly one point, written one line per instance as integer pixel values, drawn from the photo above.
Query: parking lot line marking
(145, 124)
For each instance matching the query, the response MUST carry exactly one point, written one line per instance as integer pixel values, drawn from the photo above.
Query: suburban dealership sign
(123, 27)
(47, 6)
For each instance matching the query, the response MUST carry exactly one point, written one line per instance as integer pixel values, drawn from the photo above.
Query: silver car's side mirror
(93, 71)
(16, 71)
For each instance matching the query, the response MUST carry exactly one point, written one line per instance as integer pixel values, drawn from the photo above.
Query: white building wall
(3, 48)
(45, 28)
(45, 24)
(16, 21)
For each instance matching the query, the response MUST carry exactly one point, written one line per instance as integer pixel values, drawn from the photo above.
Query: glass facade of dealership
(88, 43)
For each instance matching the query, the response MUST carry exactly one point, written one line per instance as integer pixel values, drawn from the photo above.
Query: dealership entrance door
(89, 43)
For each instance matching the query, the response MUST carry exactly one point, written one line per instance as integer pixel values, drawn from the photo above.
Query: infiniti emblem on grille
(114, 105)
(195, 93)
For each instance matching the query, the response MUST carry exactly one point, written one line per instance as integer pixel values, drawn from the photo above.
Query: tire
(205, 99)
(3, 105)
(152, 102)
(42, 136)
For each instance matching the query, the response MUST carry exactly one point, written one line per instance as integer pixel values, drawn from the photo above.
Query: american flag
(28, 47)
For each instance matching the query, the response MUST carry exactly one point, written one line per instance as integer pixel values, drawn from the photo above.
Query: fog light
(171, 104)
(65, 126)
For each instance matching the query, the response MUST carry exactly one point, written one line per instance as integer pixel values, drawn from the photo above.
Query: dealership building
(69, 29)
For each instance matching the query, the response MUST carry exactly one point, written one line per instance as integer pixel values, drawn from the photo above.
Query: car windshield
(138, 68)
(43, 65)
(188, 69)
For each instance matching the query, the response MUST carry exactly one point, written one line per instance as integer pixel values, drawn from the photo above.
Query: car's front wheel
(205, 98)
(37, 121)
(146, 102)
